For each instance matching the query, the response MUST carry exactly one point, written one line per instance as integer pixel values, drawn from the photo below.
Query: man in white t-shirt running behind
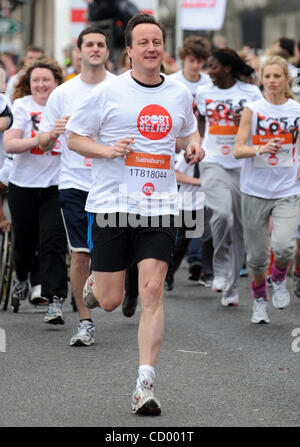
(137, 117)
(193, 55)
(75, 174)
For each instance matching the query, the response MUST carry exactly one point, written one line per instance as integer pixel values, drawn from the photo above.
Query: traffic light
(119, 11)
(101, 10)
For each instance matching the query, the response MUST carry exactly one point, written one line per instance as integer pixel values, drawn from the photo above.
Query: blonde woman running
(267, 139)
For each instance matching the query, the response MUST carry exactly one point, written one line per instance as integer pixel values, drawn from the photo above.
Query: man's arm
(83, 145)
(4, 223)
(48, 140)
(192, 145)
(201, 125)
(183, 178)
(6, 119)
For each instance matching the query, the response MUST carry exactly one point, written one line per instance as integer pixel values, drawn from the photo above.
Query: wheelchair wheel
(6, 269)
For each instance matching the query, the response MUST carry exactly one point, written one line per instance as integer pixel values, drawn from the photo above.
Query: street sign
(9, 26)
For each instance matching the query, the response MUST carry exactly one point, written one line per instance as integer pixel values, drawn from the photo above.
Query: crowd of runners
(99, 166)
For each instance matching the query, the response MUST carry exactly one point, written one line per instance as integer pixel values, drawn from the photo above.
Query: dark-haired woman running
(220, 106)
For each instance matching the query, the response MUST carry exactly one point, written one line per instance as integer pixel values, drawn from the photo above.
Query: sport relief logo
(87, 162)
(148, 189)
(225, 150)
(273, 160)
(154, 122)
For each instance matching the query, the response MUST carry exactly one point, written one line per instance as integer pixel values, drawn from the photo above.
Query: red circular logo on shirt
(87, 162)
(225, 150)
(154, 122)
(148, 189)
(273, 160)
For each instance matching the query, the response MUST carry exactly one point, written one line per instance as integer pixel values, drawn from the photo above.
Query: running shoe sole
(259, 321)
(55, 320)
(82, 343)
(150, 408)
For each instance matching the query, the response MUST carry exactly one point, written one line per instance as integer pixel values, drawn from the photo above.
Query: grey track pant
(222, 194)
(256, 214)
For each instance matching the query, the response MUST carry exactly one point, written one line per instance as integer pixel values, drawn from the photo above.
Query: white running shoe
(281, 297)
(54, 313)
(260, 311)
(36, 297)
(21, 289)
(144, 402)
(88, 294)
(218, 284)
(85, 334)
(230, 300)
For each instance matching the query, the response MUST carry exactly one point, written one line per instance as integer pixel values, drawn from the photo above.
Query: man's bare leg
(152, 274)
(79, 272)
(109, 288)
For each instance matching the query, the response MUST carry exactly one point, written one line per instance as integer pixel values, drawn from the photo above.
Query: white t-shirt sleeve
(86, 120)
(257, 94)
(51, 113)
(20, 116)
(250, 105)
(190, 121)
(3, 103)
(200, 101)
(181, 163)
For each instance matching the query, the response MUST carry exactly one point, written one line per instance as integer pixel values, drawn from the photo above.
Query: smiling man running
(137, 118)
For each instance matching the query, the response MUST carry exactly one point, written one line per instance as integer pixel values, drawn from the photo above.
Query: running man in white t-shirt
(220, 105)
(137, 118)
(267, 139)
(193, 55)
(75, 176)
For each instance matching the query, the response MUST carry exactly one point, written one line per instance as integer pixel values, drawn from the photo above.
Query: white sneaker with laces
(260, 311)
(230, 300)
(88, 294)
(54, 313)
(144, 402)
(21, 289)
(281, 297)
(85, 334)
(218, 284)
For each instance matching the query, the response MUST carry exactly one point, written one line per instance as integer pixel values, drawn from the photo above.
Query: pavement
(215, 369)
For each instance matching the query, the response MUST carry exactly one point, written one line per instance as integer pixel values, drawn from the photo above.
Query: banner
(79, 13)
(147, 6)
(78, 17)
(203, 15)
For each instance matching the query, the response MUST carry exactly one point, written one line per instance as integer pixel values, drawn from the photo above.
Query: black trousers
(182, 244)
(37, 223)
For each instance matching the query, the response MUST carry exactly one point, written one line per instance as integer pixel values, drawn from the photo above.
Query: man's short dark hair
(91, 30)
(137, 20)
(34, 49)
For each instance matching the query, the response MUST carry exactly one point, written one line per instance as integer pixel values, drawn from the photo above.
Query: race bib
(222, 140)
(285, 157)
(147, 173)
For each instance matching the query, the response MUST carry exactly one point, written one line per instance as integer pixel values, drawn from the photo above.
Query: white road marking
(192, 352)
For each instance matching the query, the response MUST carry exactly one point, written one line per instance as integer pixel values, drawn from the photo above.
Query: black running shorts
(114, 248)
